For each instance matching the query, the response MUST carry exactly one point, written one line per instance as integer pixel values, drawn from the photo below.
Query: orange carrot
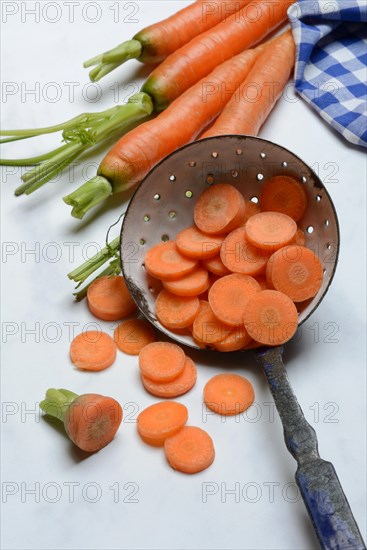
(191, 450)
(216, 266)
(192, 284)
(261, 279)
(270, 317)
(241, 256)
(233, 341)
(299, 238)
(208, 329)
(132, 335)
(161, 361)
(228, 394)
(229, 296)
(176, 312)
(248, 109)
(297, 272)
(193, 243)
(92, 350)
(90, 420)
(219, 209)
(164, 261)
(251, 209)
(284, 194)
(160, 421)
(270, 230)
(180, 385)
(109, 299)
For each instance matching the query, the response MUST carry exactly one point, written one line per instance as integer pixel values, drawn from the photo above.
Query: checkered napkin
(331, 64)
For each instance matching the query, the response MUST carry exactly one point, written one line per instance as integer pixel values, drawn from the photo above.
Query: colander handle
(317, 480)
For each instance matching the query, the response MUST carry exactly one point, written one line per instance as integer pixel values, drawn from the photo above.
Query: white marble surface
(126, 497)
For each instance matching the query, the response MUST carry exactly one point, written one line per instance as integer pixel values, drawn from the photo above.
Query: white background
(326, 367)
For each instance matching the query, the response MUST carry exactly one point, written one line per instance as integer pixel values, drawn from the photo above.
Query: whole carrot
(136, 153)
(244, 114)
(154, 43)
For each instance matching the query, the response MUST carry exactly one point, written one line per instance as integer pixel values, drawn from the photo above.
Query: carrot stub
(179, 386)
(270, 230)
(228, 394)
(284, 194)
(132, 335)
(219, 209)
(109, 299)
(241, 256)
(160, 421)
(270, 317)
(164, 261)
(176, 312)
(92, 350)
(195, 244)
(190, 451)
(161, 361)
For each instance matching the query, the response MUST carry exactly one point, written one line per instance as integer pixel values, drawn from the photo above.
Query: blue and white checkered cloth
(331, 64)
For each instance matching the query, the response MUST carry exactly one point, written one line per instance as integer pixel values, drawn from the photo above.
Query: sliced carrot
(228, 298)
(193, 284)
(92, 350)
(271, 317)
(270, 230)
(234, 340)
(219, 209)
(161, 361)
(208, 329)
(191, 450)
(161, 420)
(176, 312)
(268, 274)
(109, 299)
(251, 209)
(180, 385)
(261, 279)
(240, 256)
(193, 243)
(297, 272)
(299, 238)
(228, 394)
(216, 266)
(284, 194)
(252, 345)
(132, 335)
(164, 261)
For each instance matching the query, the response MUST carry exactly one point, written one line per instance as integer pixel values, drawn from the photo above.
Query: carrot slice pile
(93, 350)
(109, 299)
(270, 230)
(161, 361)
(132, 335)
(164, 261)
(285, 195)
(228, 394)
(160, 421)
(179, 386)
(219, 209)
(190, 451)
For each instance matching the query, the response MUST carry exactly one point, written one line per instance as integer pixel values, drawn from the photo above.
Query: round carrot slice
(190, 451)
(285, 195)
(229, 295)
(270, 230)
(219, 209)
(92, 350)
(165, 261)
(268, 273)
(240, 256)
(251, 209)
(228, 394)
(161, 361)
(180, 385)
(271, 317)
(192, 284)
(175, 312)
(297, 272)
(109, 299)
(161, 420)
(132, 335)
(198, 245)
(235, 340)
(261, 279)
(208, 329)
(216, 266)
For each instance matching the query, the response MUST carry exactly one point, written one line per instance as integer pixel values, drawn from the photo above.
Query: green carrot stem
(131, 49)
(32, 160)
(57, 402)
(113, 269)
(87, 196)
(81, 273)
(80, 119)
(102, 70)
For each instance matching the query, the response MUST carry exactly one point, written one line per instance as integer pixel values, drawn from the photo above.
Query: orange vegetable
(240, 256)
(284, 194)
(176, 312)
(216, 266)
(190, 451)
(195, 244)
(109, 299)
(92, 350)
(233, 341)
(193, 284)
(161, 361)
(208, 329)
(180, 385)
(251, 209)
(228, 394)
(270, 230)
(219, 209)
(164, 261)
(160, 421)
(132, 335)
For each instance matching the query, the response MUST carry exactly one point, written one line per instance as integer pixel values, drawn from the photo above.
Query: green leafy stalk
(57, 402)
(79, 134)
(90, 194)
(110, 60)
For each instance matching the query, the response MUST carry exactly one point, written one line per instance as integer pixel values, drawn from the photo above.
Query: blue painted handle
(320, 487)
